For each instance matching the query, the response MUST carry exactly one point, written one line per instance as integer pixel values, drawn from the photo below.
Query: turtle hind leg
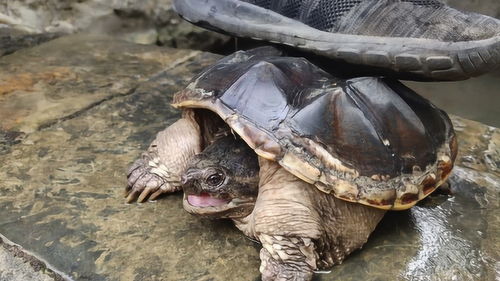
(159, 169)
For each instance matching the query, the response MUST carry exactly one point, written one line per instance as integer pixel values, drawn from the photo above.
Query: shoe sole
(425, 58)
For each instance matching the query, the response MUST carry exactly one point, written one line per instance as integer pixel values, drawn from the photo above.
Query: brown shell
(366, 140)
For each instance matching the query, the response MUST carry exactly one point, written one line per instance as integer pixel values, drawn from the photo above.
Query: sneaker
(420, 38)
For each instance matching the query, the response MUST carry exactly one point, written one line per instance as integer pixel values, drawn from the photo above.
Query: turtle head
(222, 181)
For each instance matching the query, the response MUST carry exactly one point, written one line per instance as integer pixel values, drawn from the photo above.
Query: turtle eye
(215, 179)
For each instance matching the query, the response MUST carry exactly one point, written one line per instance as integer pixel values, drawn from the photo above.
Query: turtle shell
(367, 140)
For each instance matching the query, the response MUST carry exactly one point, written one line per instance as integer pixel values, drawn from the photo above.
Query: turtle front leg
(286, 222)
(301, 228)
(158, 170)
(287, 258)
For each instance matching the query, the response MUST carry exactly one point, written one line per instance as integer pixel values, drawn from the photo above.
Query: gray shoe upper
(428, 19)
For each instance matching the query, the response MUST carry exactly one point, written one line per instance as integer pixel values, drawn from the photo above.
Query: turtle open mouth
(204, 199)
(212, 206)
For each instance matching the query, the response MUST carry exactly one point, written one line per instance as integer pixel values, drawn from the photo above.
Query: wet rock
(171, 29)
(62, 180)
(479, 146)
(18, 265)
(143, 22)
(63, 185)
(14, 269)
(40, 16)
(62, 78)
(12, 40)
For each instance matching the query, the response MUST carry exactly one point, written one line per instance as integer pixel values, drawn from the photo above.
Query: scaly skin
(302, 229)
(159, 169)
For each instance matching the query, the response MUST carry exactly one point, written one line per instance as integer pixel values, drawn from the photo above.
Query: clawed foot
(144, 182)
(286, 259)
(274, 270)
(158, 169)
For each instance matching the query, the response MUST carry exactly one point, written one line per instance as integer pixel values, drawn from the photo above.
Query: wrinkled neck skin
(301, 226)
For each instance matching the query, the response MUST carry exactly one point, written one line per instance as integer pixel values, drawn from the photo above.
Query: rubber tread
(424, 58)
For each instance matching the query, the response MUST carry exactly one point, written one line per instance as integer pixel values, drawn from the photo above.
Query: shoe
(417, 38)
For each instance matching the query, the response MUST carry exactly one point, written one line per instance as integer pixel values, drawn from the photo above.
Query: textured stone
(58, 79)
(15, 269)
(63, 177)
(12, 40)
(18, 265)
(61, 194)
(143, 22)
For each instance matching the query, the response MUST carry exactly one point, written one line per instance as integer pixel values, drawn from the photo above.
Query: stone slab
(143, 22)
(16, 264)
(15, 269)
(12, 40)
(42, 85)
(62, 182)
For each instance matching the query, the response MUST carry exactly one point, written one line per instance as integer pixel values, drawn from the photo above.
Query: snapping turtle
(333, 155)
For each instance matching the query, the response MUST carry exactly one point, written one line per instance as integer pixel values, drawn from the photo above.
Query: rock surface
(12, 40)
(57, 80)
(17, 265)
(143, 22)
(15, 269)
(76, 111)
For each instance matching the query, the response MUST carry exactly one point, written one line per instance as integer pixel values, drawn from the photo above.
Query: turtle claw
(142, 182)
(132, 196)
(145, 194)
(140, 186)
(156, 194)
